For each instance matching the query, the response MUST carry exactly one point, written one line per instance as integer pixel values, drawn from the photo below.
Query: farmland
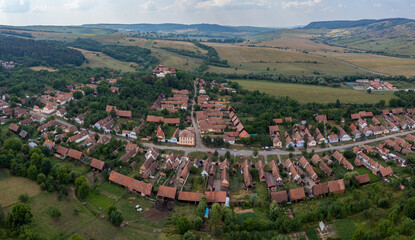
(307, 93)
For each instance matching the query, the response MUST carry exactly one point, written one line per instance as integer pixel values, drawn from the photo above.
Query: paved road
(200, 148)
(198, 140)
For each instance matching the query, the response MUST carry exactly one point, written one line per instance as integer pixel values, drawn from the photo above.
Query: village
(169, 175)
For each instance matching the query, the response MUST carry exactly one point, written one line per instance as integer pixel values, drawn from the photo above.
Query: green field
(311, 93)
(11, 187)
(344, 228)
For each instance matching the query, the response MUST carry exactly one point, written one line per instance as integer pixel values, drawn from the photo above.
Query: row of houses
(181, 137)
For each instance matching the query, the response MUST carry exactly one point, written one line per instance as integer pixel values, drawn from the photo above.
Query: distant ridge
(174, 27)
(354, 23)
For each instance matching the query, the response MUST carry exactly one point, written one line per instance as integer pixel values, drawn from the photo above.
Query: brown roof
(167, 192)
(362, 179)
(62, 150)
(74, 154)
(98, 164)
(321, 118)
(131, 183)
(190, 196)
(297, 194)
(172, 120)
(123, 113)
(320, 189)
(278, 120)
(336, 186)
(385, 171)
(14, 127)
(279, 197)
(215, 197)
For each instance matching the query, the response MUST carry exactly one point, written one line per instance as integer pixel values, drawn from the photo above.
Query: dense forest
(38, 53)
(135, 54)
(26, 81)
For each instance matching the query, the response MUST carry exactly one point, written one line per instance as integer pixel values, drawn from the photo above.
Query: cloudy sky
(269, 13)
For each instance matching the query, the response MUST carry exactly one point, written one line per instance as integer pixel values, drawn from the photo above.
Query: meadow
(311, 93)
(11, 187)
(101, 60)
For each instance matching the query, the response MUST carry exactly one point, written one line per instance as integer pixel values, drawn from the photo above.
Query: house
(315, 159)
(72, 153)
(247, 175)
(185, 172)
(397, 111)
(343, 135)
(342, 160)
(299, 141)
(80, 118)
(97, 164)
(216, 197)
(49, 144)
(105, 124)
(166, 192)
(336, 186)
(385, 172)
(206, 166)
(61, 152)
(321, 189)
(280, 197)
(26, 122)
(14, 128)
(297, 194)
(187, 137)
(319, 137)
(333, 138)
(363, 179)
(321, 118)
(150, 170)
(23, 134)
(161, 71)
(61, 112)
(288, 142)
(160, 134)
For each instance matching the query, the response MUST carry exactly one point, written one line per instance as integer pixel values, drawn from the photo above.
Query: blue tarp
(207, 212)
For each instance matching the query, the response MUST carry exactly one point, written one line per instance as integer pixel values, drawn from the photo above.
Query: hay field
(176, 60)
(384, 64)
(11, 187)
(41, 68)
(101, 60)
(310, 93)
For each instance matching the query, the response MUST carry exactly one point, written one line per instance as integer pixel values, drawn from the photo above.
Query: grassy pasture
(384, 64)
(176, 60)
(101, 60)
(11, 187)
(309, 93)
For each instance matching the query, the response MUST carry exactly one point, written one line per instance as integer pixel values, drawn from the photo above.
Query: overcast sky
(269, 13)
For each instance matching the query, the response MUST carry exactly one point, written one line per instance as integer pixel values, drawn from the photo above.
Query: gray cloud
(14, 6)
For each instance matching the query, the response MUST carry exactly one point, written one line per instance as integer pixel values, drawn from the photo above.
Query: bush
(54, 212)
(183, 225)
(24, 198)
(116, 218)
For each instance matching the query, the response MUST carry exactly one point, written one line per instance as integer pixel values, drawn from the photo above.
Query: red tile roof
(167, 192)
(297, 194)
(190, 196)
(362, 179)
(98, 164)
(215, 197)
(75, 154)
(279, 197)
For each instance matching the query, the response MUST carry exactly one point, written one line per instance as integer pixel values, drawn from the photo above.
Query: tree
(62, 174)
(111, 209)
(24, 197)
(31, 172)
(21, 214)
(215, 216)
(1, 215)
(198, 223)
(253, 199)
(84, 190)
(409, 208)
(76, 237)
(189, 236)
(216, 154)
(13, 143)
(280, 237)
(255, 153)
(40, 178)
(54, 212)
(183, 225)
(274, 210)
(201, 207)
(77, 94)
(407, 227)
(116, 218)
(369, 90)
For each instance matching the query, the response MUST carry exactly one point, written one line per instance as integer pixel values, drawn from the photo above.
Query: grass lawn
(98, 201)
(344, 228)
(311, 93)
(127, 206)
(11, 187)
(113, 189)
